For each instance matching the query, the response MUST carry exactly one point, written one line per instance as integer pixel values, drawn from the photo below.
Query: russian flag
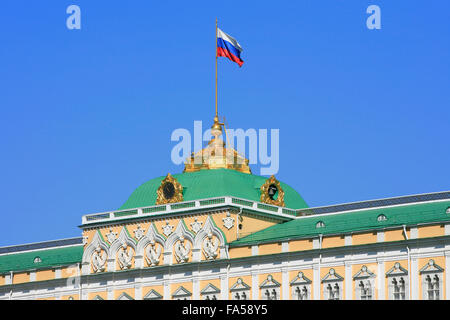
(228, 47)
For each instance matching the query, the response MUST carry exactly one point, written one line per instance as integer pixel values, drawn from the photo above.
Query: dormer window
(320, 224)
(37, 260)
(381, 217)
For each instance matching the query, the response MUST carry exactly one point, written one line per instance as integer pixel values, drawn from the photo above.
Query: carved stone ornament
(210, 246)
(196, 225)
(152, 253)
(272, 193)
(111, 236)
(167, 229)
(99, 260)
(139, 233)
(85, 240)
(125, 257)
(228, 222)
(170, 191)
(182, 249)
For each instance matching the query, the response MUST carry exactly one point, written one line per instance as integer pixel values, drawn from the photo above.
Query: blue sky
(86, 115)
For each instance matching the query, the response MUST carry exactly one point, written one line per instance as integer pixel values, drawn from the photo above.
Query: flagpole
(216, 66)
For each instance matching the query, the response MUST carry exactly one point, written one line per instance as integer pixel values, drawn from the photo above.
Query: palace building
(217, 231)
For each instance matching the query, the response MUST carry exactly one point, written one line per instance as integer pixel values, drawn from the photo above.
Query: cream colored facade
(397, 262)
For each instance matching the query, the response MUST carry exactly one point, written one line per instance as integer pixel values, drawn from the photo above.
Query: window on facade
(365, 290)
(300, 293)
(432, 287)
(240, 295)
(320, 224)
(431, 281)
(240, 290)
(270, 289)
(399, 288)
(300, 287)
(398, 282)
(332, 285)
(364, 283)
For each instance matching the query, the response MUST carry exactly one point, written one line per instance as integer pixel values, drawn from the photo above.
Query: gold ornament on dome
(170, 191)
(216, 156)
(272, 193)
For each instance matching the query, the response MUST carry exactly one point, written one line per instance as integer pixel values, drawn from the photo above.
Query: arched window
(320, 224)
(381, 217)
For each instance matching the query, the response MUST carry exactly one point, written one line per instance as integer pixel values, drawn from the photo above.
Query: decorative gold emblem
(216, 155)
(272, 193)
(169, 191)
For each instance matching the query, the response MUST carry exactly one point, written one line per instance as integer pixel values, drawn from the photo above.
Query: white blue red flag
(228, 47)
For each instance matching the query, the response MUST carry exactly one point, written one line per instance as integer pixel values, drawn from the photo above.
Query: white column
(138, 292)
(414, 279)
(348, 281)
(224, 286)
(255, 286)
(284, 284)
(195, 287)
(380, 281)
(316, 282)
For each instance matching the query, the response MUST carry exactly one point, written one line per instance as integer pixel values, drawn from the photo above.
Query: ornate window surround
(270, 289)
(332, 282)
(210, 292)
(398, 280)
(300, 287)
(366, 279)
(429, 273)
(240, 290)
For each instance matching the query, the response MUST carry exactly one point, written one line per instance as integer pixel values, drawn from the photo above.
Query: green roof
(350, 222)
(212, 183)
(49, 258)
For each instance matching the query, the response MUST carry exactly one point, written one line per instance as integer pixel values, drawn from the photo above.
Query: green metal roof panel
(212, 183)
(49, 258)
(351, 221)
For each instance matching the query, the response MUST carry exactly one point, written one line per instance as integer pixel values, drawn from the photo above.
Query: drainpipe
(320, 259)
(409, 262)
(10, 292)
(237, 223)
(228, 274)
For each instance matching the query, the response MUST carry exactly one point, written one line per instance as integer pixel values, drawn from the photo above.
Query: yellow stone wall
(431, 231)
(334, 241)
(364, 238)
(43, 275)
(21, 277)
(300, 245)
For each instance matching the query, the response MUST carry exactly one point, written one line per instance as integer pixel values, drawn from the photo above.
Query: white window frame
(431, 271)
(396, 275)
(300, 284)
(335, 282)
(240, 290)
(270, 289)
(367, 279)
